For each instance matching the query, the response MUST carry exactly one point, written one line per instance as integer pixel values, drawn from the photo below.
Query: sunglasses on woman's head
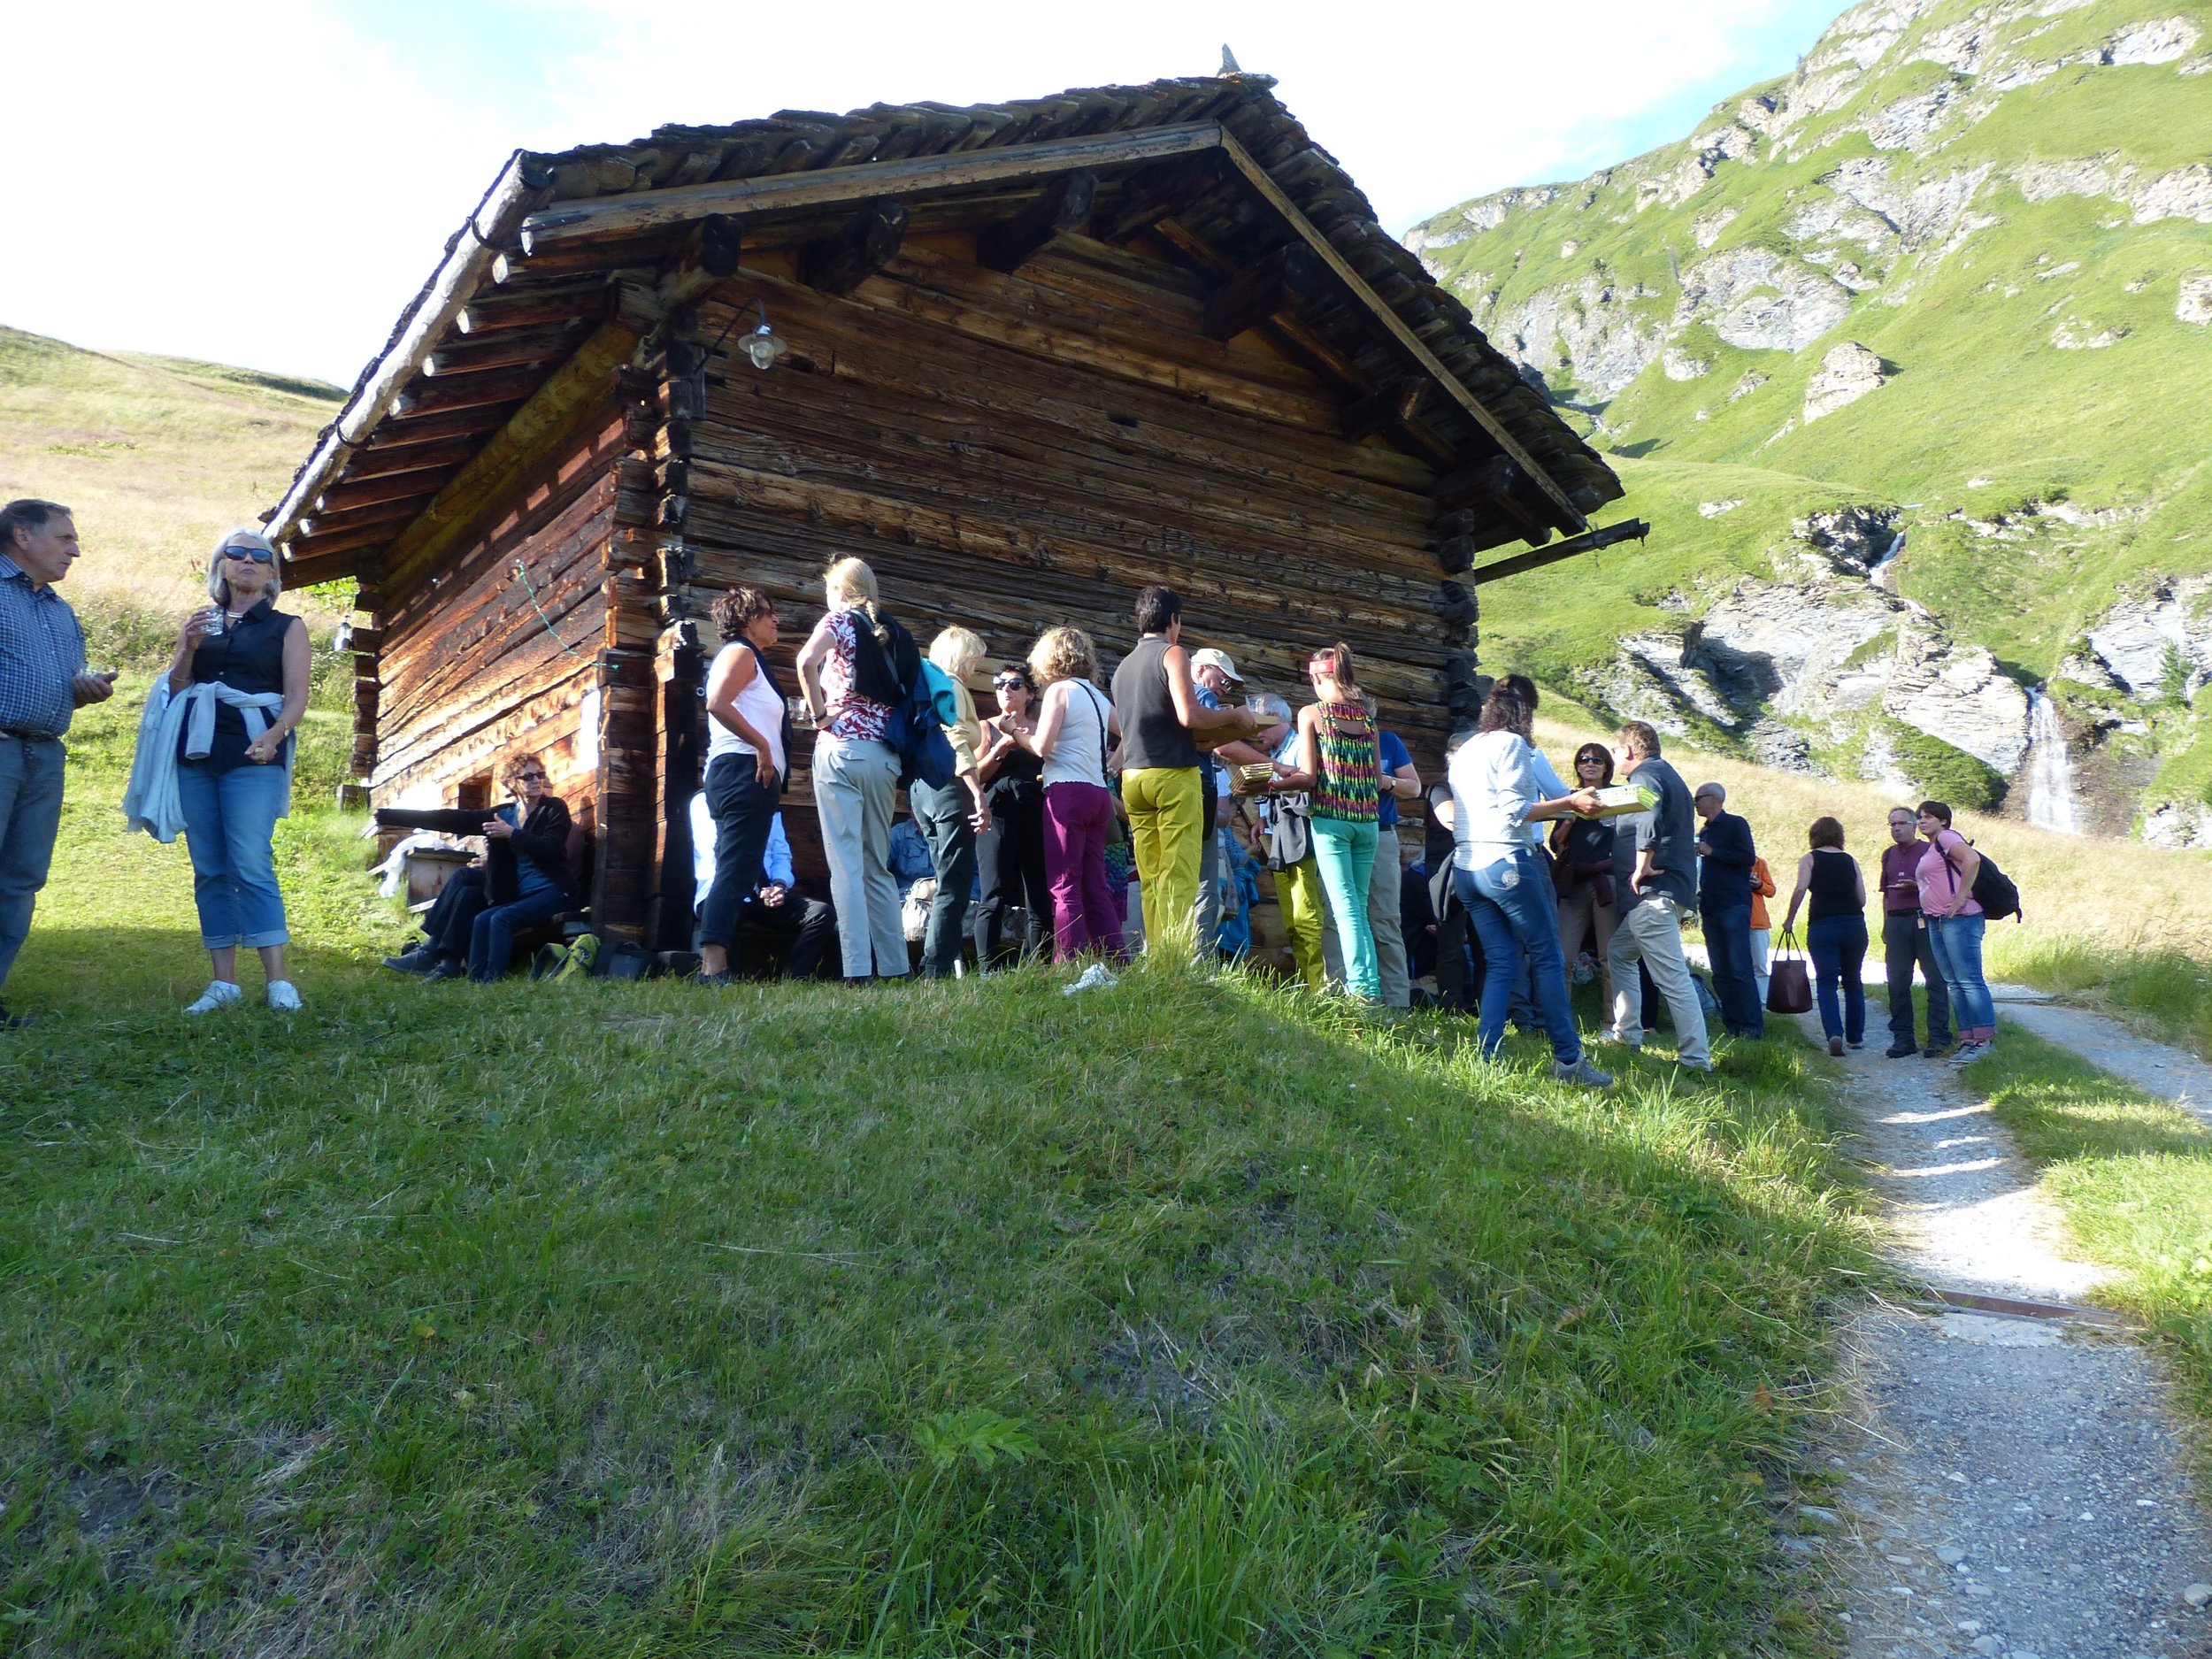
(258, 555)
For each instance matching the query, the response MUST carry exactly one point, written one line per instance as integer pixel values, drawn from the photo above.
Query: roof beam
(1255, 294)
(653, 209)
(523, 184)
(840, 263)
(1588, 542)
(1061, 209)
(1272, 194)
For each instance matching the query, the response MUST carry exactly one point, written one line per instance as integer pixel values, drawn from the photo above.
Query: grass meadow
(1192, 1318)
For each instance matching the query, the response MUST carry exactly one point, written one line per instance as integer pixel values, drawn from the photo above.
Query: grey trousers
(1650, 932)
(1385, 920)
(30, 818)
(1207, 912)
(855, 785)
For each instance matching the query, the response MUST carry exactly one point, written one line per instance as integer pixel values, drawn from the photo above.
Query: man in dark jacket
(1725, 861)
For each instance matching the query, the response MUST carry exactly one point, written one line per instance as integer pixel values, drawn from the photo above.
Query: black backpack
(1994, 890)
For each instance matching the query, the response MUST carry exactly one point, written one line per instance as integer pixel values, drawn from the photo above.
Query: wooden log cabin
(1038, 354)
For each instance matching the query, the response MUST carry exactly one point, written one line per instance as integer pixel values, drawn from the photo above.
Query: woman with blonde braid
(1340, 765)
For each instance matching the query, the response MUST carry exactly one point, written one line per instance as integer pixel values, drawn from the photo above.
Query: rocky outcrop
(1847, 374)
(1758, 301)
(2180, 825)
(1594, 324)
(2154, 645)
(2194, 305)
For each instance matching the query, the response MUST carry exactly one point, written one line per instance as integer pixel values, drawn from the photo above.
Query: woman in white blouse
(1504, 883)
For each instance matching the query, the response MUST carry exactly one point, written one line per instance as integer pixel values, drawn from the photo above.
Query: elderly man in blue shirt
(42, 683)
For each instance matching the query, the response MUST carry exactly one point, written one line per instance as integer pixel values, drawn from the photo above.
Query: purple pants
(1078, 817)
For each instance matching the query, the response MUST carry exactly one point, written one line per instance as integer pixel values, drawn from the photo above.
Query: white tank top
(1078, 754)
(760, 705)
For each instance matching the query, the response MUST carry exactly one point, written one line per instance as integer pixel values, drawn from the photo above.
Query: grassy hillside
(2007, 209)
(157, 455)
(1189, 1317)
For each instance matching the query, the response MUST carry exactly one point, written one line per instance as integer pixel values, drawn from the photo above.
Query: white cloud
(267, 183)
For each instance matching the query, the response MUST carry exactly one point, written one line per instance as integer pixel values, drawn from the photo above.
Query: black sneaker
(444, 968)
(16, 1022)
(1900, 1051)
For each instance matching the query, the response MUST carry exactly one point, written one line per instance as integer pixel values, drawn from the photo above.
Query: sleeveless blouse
(247, 656)
(1078, 754)
(1349, 786)
(852, 717)
(761, 706)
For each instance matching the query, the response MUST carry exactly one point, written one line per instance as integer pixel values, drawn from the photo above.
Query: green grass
(1983, 411)
(1190, 1318)
(2132, 1176)
(2168, 993)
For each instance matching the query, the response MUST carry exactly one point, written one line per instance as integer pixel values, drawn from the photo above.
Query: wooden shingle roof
(1217, 167)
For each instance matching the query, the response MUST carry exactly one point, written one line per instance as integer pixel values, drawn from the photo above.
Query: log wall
(467, 669)
(1008, 452)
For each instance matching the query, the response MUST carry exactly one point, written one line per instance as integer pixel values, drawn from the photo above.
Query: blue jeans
(1728, 947)
(1837, 945)
(1958, 952)
(30, 816)
(1515, 914)
(744, 813)
(229, 818)
(492, 938)
(1344, 851)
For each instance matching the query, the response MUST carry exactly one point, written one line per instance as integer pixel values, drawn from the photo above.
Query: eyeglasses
(258, 555)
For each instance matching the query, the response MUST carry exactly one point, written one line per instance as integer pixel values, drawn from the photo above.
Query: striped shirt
(42, 653)
(1349, 784)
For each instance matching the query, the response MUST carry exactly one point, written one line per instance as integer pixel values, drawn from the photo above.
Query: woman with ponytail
(856, 773)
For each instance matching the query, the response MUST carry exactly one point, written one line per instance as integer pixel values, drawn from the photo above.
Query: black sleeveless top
(1019, 773)
(1150, 734)
(1834, 888)
(247, 656)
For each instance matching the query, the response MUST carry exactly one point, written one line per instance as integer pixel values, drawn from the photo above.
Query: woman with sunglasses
(1010, 854)
(1340, 765)
(237, 688)
(1582, 871)
(522, 880)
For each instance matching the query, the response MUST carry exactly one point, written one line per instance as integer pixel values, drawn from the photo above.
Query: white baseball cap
(1211, 658)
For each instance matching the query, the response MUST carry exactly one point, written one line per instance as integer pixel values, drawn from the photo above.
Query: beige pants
(1581, 918)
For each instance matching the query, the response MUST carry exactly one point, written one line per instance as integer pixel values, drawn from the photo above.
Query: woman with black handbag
(1837, 933)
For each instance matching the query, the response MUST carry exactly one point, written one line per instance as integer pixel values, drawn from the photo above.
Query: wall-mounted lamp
(764, 346)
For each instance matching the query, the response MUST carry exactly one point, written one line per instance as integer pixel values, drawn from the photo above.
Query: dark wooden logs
(1386, 409)
(720, 245)
(413, 457)
(1062, 209)
(584, 301)
(843, 262)
(508, 348)
(369, 492)
(468, 391)
(1275, 284)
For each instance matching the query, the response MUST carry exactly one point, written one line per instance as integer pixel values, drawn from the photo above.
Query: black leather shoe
(1936, 1050)
(1900, 1051)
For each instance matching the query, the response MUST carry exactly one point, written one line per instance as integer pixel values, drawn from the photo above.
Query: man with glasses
(1213, 677)
(42, 683)
(1906, 941)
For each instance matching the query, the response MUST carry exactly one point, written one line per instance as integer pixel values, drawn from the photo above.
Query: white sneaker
(219, 994)
(1095, 978)
(284, 996)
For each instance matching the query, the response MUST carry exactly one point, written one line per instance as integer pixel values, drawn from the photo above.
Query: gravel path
(2010, 1486)
(2153, 1067)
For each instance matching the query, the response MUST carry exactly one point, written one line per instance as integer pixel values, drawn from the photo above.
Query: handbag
(1789, 986)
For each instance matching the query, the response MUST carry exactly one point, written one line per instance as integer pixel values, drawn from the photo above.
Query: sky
(266, 182)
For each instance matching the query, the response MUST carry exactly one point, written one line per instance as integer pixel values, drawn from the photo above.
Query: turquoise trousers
(1346, 852)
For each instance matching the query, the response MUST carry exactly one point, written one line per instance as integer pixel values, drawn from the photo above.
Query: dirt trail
(2011, 1486)
(2153, 1067)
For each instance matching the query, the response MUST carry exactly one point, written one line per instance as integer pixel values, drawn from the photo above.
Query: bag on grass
(1789, 986)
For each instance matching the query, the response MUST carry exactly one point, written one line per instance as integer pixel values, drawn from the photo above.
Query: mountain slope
(1953, 278)
(157, 457)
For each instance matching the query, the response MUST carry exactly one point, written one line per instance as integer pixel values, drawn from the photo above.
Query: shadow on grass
(2132, 1175)
(1186, 1316)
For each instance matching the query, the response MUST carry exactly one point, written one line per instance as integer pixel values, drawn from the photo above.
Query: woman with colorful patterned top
(856, 774)
(1339, 766)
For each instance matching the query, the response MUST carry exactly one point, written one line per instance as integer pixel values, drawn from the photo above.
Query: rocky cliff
(1909, 358)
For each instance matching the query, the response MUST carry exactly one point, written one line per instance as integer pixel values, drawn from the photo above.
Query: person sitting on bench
(808, 926)
(522, 880)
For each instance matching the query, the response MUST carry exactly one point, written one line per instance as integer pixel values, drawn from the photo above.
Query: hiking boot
(1835, 1047)
(1581, 1073)
(1902, 1051)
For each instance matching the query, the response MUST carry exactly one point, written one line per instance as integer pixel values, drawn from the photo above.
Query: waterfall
(1874, 570)
(2050, 769)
